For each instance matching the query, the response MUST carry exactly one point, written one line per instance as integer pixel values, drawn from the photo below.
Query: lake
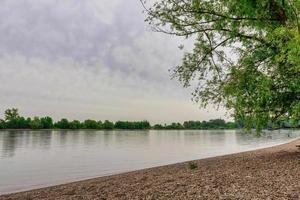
(32, 159)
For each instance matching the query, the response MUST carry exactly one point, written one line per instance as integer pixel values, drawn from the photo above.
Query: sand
(271, 173)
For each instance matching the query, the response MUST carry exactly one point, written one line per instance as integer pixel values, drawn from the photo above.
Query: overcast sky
(90, 59)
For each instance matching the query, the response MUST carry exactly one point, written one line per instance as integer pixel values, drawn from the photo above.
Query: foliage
(2, 124)
(11, 118)
(211, 124)
(62, 124)
(46, 122)
(100, 125)
(15, 121)
(108, 125)
(204, 125)
(246, 54)
(11, 114)
(90, 124)
(132, 125)
(158, 126)
(193, 166)
(36, 123)
(75, 124)
(174, 126)
(21, 122)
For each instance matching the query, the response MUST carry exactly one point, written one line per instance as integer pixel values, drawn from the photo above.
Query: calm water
(30, 159)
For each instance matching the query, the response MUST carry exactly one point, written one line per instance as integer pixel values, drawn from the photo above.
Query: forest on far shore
(12, 120)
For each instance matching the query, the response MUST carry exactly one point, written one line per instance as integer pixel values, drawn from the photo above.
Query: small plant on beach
(192, 166)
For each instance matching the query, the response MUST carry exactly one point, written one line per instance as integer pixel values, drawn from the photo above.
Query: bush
(108, 125)
(47, 122)
(90, 124)
(132, 125)
(75, 124)
(36, 123)
(2, 124)
(62, 124)
(192, 166)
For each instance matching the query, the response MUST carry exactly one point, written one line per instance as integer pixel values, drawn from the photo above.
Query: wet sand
(271, 173)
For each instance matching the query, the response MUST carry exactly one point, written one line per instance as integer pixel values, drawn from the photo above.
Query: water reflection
(13, 140)
(40, 139)
(62, 137)
(9, 145)
(131, 138)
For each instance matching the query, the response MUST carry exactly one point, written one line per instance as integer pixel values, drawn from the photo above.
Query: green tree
(62, 124)
(158, 127)
(11, 118)
(75, 124)
(246, 54)
(47, 122)
(23, 123)
(230, 125)
(100, 125)
(192, 125)
(11, 114)
(36, 123)
(145, 124)
(2, 124)
(108, 125)
(217, 123)
(132, 125)
(174, 125)
(90, 124)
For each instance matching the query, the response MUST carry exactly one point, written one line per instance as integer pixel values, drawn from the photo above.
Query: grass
(192, 166)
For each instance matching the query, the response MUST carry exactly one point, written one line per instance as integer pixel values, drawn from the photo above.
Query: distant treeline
(211, 124)
(14, 121)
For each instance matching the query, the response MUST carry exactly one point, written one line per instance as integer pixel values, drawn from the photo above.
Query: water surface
(32, 159)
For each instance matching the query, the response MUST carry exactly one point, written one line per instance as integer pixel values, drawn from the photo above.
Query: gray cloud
(89, 59)
(51, 29)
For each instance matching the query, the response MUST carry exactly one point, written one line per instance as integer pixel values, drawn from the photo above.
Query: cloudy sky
(90, 59)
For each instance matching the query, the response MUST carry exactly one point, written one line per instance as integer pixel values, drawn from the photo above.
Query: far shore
(115, 129)
(270, 173)
(54, 129)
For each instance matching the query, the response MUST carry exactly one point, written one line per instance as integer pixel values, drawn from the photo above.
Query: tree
(47, 122)
(217, 123)
(108, 125)
(192, 125)
(2, 124)
(246, 54)
(145, 124)
(23, 123)
(174, 126)
(36, 123)
(132, 125)
(75, 124)
(230, 125)
(62, 124)
(28, 121)
(158, 126)
(90, 124)
(11, 114)
(100, 125)
(11, 118)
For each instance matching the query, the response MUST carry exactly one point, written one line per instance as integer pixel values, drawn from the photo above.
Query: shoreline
(126, 129)
(33, 187)
(220, 129)
(156, 175)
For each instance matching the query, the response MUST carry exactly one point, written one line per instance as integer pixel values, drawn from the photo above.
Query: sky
(95, 59)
